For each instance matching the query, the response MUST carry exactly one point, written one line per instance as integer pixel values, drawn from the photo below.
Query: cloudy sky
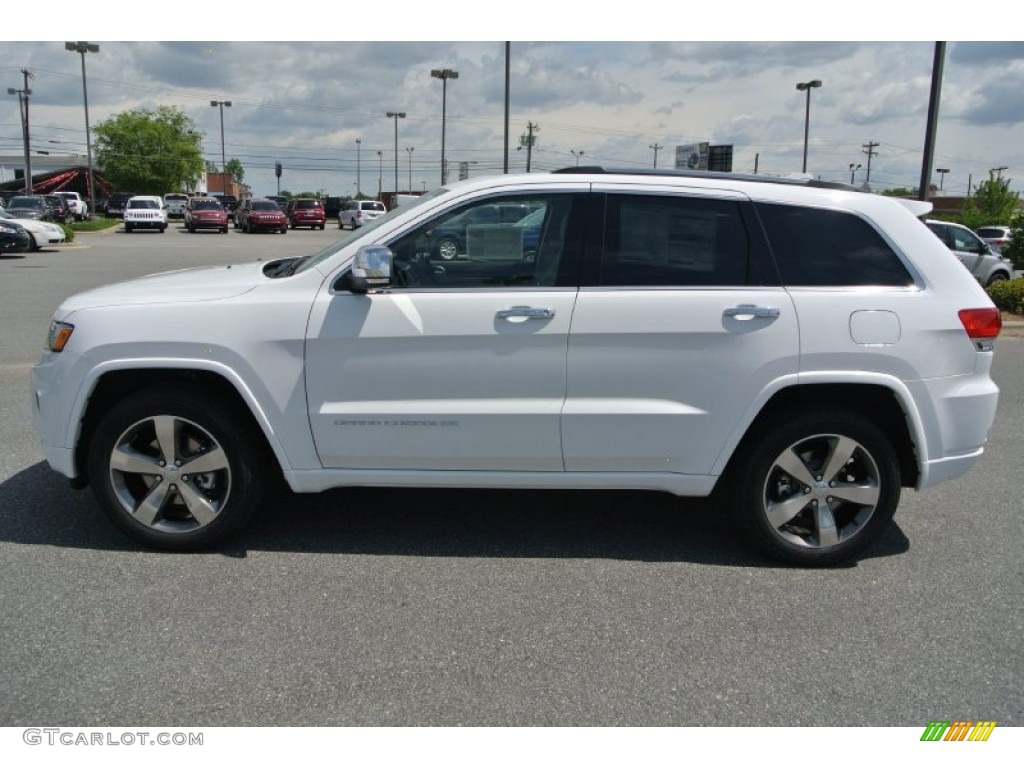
(305, 104)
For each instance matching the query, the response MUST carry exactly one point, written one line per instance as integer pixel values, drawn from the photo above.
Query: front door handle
(750, 311)
(528, 313)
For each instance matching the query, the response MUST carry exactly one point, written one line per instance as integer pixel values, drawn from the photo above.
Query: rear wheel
(817, 488)
(998, 277)
(174, 470)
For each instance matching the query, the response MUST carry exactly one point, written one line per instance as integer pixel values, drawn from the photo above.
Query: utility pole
(869, 150)
(655, 146)
(527, 140)
(757, 160)
(938, 61)
(998, 171)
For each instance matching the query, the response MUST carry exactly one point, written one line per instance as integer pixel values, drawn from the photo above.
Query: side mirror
(371, 268)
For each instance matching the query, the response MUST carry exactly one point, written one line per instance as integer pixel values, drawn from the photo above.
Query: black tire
(167, 507)
(284, 230)
(128, 228)
(323, 226)
(191, 229)
(816, 488)
(32, 244)
(224, 230)
(998, 277)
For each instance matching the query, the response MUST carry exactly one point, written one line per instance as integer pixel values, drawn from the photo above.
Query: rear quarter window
(819, 247)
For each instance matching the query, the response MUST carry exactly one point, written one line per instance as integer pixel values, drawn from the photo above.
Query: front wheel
(173, 470)
(447, 249)
(817, 488)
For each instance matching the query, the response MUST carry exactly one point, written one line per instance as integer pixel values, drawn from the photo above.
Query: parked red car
(306, 212)
(205, 213)
(254, 215)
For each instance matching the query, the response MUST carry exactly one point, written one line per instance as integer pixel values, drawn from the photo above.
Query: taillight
(981, 323)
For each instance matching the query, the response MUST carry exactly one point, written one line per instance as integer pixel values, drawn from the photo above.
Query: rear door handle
(528, 313)
(750, 311)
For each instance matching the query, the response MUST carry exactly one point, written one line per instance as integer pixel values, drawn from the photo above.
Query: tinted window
(490, 253)
(821, 247)
(965, 240)
(673, 241)
(265, 206)
(994, 232)
(206, 205)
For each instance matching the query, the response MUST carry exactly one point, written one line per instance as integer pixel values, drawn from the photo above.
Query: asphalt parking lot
(484, 608)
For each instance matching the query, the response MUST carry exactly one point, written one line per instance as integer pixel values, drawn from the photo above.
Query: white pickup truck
(78, 206)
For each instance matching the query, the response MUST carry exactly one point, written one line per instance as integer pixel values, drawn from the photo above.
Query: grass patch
(94, 225)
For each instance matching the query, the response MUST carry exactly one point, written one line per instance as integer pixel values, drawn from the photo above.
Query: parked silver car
(986, 264)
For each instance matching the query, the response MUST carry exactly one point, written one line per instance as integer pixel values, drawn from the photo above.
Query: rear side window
(673, 241)
(817, 247)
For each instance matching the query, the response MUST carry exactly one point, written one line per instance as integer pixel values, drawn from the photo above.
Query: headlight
(8, 228)
(60, 334)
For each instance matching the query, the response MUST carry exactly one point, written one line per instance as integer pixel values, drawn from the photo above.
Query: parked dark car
(306, 212)
(448, 240)
(282, 202)
(259, 213)
(205, 213)
(116, 204)
(333, 206)
(13, 238)
(62, 213)
(229, 203)
(31, 207)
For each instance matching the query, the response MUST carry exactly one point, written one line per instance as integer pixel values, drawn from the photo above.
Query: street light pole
(853, 170)
(807, 115)
(223, 157)
(359, 157)
(577, 154)
(409, 150)
(443, 75)
(396, 115)
(380, 174)
(83, 48)
(942, 176)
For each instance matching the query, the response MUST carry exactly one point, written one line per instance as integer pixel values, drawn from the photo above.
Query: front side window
(528, 244)
(820, 247)
(965, 241)
(673, 241)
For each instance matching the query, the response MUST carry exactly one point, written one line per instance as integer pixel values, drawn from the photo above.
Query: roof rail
(681, 173)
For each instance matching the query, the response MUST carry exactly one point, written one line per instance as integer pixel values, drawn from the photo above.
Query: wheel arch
(875, 402)
(113, 384)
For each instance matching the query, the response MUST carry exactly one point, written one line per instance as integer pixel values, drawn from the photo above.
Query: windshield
(151, 204)
(267, 206)
(309, 261)
(206, 205)
(26, 202)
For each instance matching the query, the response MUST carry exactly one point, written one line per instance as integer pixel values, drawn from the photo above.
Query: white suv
(800, 349)
(145, 212)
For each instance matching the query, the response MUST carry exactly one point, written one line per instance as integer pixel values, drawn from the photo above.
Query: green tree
(234, 167)
(991, 203)
(1014, 250)
(150, 152)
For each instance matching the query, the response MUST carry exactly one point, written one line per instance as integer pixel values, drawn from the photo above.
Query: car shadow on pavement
(37, 507)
